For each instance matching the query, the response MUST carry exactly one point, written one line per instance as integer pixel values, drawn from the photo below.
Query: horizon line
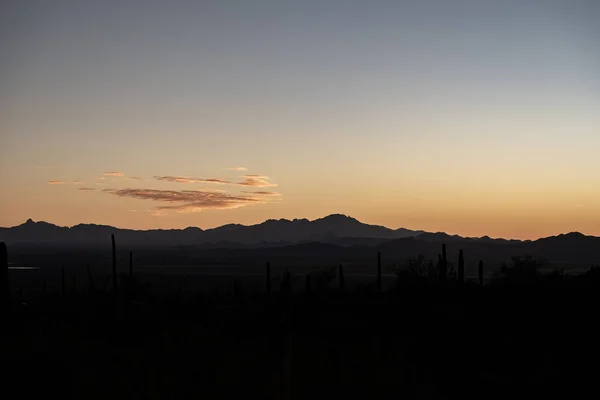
(294, 219)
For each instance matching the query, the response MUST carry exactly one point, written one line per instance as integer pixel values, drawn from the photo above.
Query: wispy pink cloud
(256, 181)
(187, 200)
(55, 182)
(238, 169)
(76, 182)
(137, 178)
(99, 183)
(263, 193)
(114, 173)
(187, 179)
(86, 189)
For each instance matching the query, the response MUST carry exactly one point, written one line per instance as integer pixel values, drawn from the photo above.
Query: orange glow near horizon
(467, 211)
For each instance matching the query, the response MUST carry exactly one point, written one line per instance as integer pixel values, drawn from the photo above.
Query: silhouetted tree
(523, 269)
(415, 267)
(323, 277)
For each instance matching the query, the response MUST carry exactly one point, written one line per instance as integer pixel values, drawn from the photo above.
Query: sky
(470, 117)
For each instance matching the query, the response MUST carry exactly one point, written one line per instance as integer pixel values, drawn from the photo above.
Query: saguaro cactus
(444, 264)
(114, 263)
(379, 271)
(236, 289)
(62, 281)
(307, 287)
(461, 266)
(4, 284)
(268, 274)
(480, 272)
(130, 266)
(342, 280)
(90, 277)
(286, 283)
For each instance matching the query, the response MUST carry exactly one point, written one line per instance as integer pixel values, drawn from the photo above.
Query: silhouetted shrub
(522, 269)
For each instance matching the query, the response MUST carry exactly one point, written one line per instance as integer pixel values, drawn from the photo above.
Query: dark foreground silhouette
(432, 335)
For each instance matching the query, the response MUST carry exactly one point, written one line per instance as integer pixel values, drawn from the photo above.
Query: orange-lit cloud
(262, 193)
(99, 183)
(187, 179)
(76, 182)
(216, 180)
(186, 200)
(238, 169)
(86, 188)
(249, 180)
(114, 173)
(256, 181)
(55, 182)
(137, 178)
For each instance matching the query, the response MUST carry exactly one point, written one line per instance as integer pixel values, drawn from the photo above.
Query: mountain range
(283, 231)
(334, 237)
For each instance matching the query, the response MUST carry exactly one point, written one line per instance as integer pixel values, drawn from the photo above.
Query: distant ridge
(326, 229)
(335, 229)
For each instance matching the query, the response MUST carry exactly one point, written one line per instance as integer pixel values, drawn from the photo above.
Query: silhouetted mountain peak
(338, 218)
(276, 221)
(32, 224)
(573, 235)
(193, 228)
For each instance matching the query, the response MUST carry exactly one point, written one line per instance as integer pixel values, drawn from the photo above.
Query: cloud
(55, 182)
(216, 180)
(86, 188)
(113, 173)
(187, 179)
(256, 181)
(137, 178)
(184, 201)
(238, 169)
(249, 180)
(99, 183)
(262, 193)
(76, 182)
(212, 189)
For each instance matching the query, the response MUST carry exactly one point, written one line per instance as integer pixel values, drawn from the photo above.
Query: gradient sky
(470, 117)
